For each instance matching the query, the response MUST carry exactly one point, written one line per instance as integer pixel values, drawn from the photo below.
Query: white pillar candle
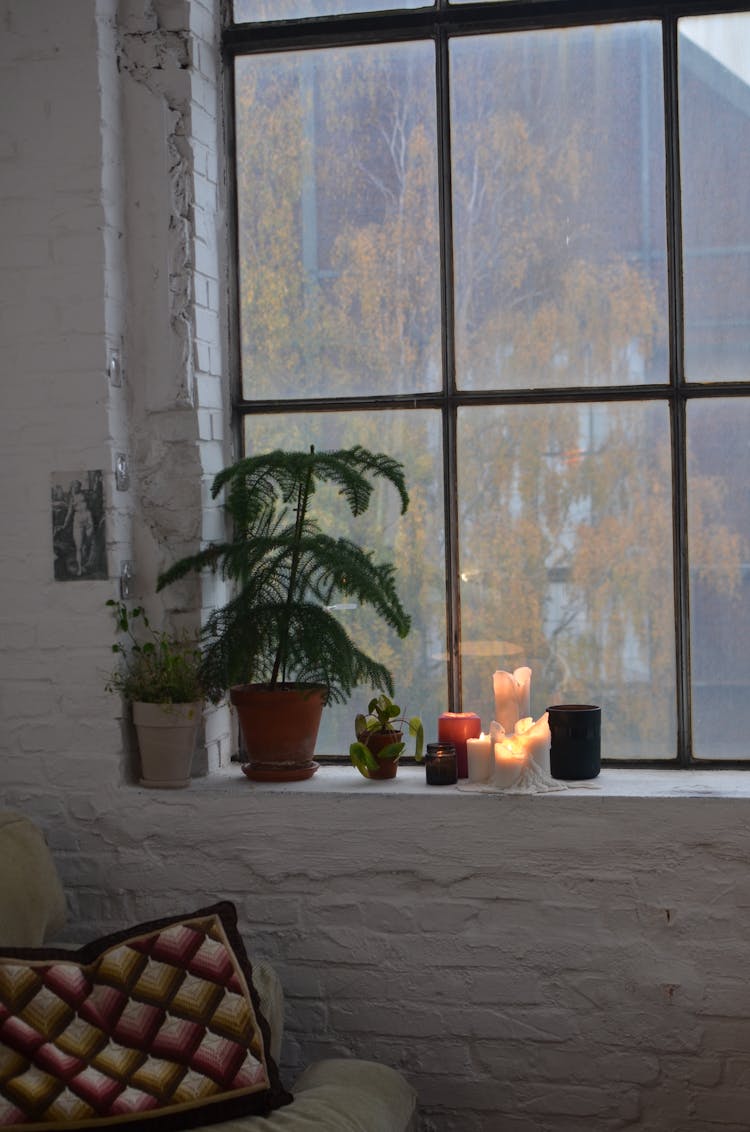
(510, 759)
(535, 739)
(512, 696)
(479, 754)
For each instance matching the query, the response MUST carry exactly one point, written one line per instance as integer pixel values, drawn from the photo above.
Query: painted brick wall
(58, 307)
(537, 964)
(109, 247)
(533, 965)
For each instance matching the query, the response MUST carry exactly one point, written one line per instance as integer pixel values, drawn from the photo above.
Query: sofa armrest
(32, 902)
(268, 985)
(339, 1095)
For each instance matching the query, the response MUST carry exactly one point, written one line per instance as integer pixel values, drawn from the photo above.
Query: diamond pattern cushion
(158, 1027)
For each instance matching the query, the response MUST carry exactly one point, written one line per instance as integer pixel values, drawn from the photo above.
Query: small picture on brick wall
(78, 535)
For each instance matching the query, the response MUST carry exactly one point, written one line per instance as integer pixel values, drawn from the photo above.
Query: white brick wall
(103, 215)
(533, 965)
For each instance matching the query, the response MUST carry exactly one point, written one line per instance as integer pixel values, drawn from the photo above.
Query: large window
(516, 255)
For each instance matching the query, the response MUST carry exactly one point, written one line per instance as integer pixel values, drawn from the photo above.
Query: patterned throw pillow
(158, 1027)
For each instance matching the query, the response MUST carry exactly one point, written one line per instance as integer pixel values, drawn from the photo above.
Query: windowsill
(611, 783)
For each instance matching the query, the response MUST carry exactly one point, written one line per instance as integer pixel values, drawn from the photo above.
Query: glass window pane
(255, 11)
(565, 524)
(338, 225)
(719, 548)
(558, 198)
(714, 77)
(414, 542)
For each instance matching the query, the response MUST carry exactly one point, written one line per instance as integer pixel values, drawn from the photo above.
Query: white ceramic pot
(166, 741)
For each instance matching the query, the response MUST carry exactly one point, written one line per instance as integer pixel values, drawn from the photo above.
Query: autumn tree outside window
(510, 245)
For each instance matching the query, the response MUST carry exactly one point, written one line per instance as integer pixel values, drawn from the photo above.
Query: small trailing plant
(155, 667)
(382, 718)
(278, 628)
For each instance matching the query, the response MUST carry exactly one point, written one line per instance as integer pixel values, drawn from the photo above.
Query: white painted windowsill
(611, 783)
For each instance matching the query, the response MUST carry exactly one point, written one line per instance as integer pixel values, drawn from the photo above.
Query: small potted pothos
(380, 742)
(159, 674)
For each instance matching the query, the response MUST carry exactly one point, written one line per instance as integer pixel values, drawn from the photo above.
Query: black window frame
(440, 23)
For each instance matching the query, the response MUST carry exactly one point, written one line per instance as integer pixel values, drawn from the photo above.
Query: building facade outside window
(511, 246)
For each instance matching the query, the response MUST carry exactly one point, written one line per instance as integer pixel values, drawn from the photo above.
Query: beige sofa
(337, 1095)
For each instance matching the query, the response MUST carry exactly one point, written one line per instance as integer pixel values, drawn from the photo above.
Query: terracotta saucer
(291, 774)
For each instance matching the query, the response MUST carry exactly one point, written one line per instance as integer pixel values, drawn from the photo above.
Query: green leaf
(362, 759)
(392, 751)
(416, 728)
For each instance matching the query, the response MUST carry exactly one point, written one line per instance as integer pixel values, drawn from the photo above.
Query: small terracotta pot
(376, 741)
(279, 729)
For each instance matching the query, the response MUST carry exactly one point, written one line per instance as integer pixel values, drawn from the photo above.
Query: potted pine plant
(159, 674)
(277, 645)
(380, 741)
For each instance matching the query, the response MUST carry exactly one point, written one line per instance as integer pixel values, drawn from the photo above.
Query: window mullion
(447, 305)
(677, 384)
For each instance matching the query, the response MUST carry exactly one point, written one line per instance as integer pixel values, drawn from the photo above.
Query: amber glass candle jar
(440, 764)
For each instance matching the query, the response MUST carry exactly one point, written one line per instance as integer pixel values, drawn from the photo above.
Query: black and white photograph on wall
(78, 535)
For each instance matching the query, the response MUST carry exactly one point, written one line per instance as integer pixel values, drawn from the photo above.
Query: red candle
(456, 727)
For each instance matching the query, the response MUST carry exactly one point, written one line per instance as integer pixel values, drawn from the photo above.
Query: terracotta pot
(166, 742)
(279, 729)
(376, 741)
